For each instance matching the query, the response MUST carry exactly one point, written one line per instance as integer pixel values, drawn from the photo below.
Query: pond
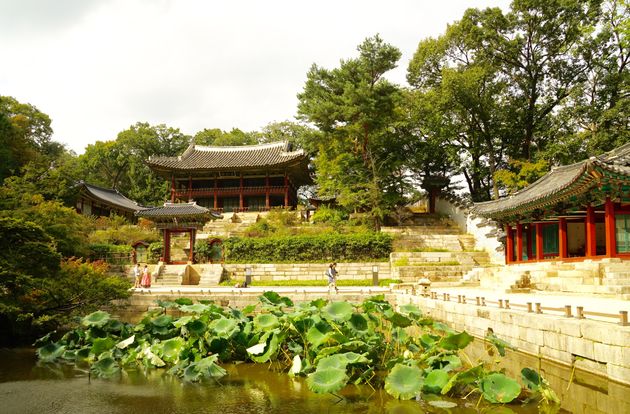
(28, 386)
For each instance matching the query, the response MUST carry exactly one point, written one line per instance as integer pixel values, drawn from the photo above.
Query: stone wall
(598, 347)
(485, 232)
(307, 271)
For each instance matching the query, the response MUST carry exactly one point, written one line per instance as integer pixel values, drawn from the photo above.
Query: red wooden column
(509, 253)
(539, 242)
(192, 246)
(562, 238)
(286, 190)
(240, 194)
(189, 188)
(591, 241)
(530, 250)
(172, 188)
(611, 241)
(167, 246)
(519, 242)
(267, 191)
(216, 191)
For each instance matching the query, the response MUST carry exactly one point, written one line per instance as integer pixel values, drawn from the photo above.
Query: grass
(311, 283)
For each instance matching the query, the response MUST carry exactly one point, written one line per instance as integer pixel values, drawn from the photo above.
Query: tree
(121, 163)
(356, 109)
(39, 291)
(458, 102)
(217, 137)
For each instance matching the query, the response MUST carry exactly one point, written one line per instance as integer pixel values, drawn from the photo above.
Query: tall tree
(356, 109)
(217, 137)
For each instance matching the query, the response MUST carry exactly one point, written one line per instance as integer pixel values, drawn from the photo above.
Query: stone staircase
(429, 232)
(432, 247)
(170, 275)
(436, 266)
(232, 224)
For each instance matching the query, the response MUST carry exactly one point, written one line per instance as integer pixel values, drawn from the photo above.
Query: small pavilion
(237, 178)
(575, 212)
(179, 223)
(99, 201)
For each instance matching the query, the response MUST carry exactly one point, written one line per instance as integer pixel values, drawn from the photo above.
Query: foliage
(68, 228)
(355, 247)
(155, 251)
(125, 234)
(332, 344)
(205, 253)
(360, 158)
(121, 163)
(325, 214)
(217, 137)
(521, 174)
(38, 290)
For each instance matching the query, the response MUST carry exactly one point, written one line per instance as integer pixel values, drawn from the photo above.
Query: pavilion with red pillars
(236, 178)
(575, 212)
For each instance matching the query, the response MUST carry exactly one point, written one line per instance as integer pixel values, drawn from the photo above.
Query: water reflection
(28, 386)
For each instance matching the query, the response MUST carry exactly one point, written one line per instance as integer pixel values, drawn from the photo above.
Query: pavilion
(237, 178)
(179, 223)
(573, 213)
(99, 201)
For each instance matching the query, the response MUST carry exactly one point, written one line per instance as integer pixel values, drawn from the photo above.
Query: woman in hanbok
(146, 278)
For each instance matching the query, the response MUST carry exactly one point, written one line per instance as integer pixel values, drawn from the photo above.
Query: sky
(97, 67)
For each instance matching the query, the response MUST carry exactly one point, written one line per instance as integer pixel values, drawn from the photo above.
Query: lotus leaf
(327, 380)
(198, 327)
(183, 301)
(114, 326)
(318, 303)
(162, 321)
(101, 345)
(204, 368)
(266, 322)
(83, 353)
(439, 326)
(98, 319)
(404, 382)
(453, 342)
(273, 298)
(172, 348)
(125, 343)
(271, 351)
(150, 358)
(50, 352)
(338, 311)
(398, 319)
(531, 379)
(338, 361)
(196, 308)
(105, 367)
(358, 323)
(470, 375)
(500, 344)
(248, 309)
(435, 381)
(178, 323)
(443, 404)
(69, 355)
(410, 310)
(497, 388)
(315, 337)
(224, 327)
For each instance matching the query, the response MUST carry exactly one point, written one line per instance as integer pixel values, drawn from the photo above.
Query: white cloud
(98, 67)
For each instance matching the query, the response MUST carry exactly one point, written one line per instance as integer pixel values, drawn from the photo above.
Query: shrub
(326, 214)
(110, 253)
(350, 247)
(154, 252)
(205, 253)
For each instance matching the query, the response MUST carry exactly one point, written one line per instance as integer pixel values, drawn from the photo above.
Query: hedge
(329, 247)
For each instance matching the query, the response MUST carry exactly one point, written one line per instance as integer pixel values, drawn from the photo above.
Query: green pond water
(28, 386)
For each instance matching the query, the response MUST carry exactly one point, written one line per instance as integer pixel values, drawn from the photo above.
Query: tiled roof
(110, 196)
(176, 210)
(199, 157)
(559, 184)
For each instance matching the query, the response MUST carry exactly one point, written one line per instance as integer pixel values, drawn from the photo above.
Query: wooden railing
(223, 191)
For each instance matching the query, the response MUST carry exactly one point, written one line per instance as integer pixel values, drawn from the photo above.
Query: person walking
(331, 272)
